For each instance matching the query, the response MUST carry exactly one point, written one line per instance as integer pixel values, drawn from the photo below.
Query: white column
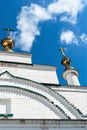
(71, 76)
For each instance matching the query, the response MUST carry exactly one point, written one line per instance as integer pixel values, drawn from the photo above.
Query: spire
(65, 61)
(70, 74)
(8, 43)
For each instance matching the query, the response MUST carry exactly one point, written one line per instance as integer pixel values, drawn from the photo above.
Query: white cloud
(68, 9)
(68, 37)
(27, 25)
(83, 38)
(30, 16)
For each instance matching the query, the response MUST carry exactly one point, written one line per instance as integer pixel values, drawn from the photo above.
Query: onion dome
(65, 61)
(8, 43)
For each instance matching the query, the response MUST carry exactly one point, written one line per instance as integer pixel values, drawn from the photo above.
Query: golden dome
(7, 43)
(65, 61)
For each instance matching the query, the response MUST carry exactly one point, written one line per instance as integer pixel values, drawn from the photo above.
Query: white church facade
(31, 97)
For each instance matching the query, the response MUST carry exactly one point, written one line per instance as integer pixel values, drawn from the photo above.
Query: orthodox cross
(62, 51)
(8, 31)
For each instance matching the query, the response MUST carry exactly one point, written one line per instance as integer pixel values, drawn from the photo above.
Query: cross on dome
(65, 61)
(8, 43)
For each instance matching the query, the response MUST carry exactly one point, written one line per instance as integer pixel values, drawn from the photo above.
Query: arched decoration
(61, 104)
(40, 98)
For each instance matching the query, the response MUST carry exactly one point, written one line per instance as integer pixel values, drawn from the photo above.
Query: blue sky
(42, 26)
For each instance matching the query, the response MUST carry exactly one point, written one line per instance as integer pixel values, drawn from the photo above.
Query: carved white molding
(55, 98)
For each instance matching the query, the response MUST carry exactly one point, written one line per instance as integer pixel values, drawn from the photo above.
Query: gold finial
(8, 43)
(65, 61)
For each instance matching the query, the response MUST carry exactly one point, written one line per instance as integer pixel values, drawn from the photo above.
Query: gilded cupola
(7, 42)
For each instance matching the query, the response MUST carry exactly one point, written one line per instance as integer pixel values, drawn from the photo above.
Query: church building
(32, 98)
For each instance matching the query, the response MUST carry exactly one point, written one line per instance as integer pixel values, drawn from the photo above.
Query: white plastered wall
(24, 107)
(20, 65)
(41, 76)
(77, 96)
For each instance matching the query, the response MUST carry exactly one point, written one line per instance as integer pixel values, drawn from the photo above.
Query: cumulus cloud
(68, 9)
(30, 16)
(27, 25)
(68, 37)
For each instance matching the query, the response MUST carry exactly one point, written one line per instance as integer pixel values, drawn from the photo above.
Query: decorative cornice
(43, 124)
(16, 54)
(27, 65)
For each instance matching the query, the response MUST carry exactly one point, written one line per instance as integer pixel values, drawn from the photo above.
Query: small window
(2, 108)
(5, 107)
